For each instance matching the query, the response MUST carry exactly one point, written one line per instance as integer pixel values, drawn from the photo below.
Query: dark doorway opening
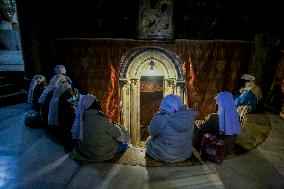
(151, 94)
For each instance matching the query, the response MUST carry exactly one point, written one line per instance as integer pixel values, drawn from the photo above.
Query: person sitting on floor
(98, 138)
(67, 106)
(53, 105)
(224, 122)
(37, 86)
(60, 106)
(46, 96)
(249, 95)
(170, 131)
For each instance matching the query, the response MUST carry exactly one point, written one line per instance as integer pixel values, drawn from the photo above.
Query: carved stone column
(181, 90)
(135, 111)
(125, 103)
(169, 86)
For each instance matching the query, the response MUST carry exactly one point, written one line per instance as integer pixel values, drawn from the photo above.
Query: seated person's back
(37, 86)
(67, 106)
(98, 138)
(46, 96)
(171, 131)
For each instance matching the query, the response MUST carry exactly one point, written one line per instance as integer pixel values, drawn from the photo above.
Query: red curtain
(209, 67)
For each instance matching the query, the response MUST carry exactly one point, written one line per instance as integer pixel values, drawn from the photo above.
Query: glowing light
(151, 73)
(110, 103)
(191, 73)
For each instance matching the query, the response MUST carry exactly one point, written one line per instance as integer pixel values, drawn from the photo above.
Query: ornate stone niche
(147, 61)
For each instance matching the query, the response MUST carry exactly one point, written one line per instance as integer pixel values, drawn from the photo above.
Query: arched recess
(146, 61)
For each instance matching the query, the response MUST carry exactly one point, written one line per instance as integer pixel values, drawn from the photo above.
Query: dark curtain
(276, 94)
(211, 67)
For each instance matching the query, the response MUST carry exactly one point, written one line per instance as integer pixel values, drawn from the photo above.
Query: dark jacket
(36, 94)
(99, 138)
(66, 116)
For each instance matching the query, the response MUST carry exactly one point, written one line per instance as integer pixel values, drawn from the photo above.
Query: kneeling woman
(225, 122)
(98, 138)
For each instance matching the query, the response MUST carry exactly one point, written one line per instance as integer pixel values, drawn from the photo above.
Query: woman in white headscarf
(53, 105)
(171, 131)
(37, 86)
(47, 94)
(98, 138)
(60, 69)
(225, 122)
(62, 111)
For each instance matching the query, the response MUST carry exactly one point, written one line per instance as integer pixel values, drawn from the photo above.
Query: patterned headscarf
(229, 121)
(84, 103)
(60, 69)
(54, 81)
(171, 103)
(53, 105)
(254, 88)
(37, 79)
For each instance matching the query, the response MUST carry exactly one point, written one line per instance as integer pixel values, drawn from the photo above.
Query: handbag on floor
(32, 119)
(213, 147)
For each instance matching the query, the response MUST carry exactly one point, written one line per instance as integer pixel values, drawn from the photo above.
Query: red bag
(213, 148)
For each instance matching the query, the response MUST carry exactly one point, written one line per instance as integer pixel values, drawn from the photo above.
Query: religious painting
(155, 19)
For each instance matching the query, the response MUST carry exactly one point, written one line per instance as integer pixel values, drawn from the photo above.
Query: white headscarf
(84, 103)
(53, 105)
(37, 79)
(54, 81)
(248, 77)
(60, 69)
(171, 103)
(229, 121)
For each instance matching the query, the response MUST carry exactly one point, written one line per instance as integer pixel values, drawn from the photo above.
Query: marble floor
(31, 160)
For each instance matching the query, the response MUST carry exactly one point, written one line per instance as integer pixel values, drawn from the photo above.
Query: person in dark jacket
(67, 106)
(171, 131)
(46, 97)
(98, 138)
(61, 115)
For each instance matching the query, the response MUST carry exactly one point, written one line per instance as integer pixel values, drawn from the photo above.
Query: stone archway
(153, 61)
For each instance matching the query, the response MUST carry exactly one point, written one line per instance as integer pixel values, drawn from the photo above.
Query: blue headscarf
(229, 121)
(171, 103)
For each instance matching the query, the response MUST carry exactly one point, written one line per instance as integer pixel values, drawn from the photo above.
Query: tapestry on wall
(209, 66)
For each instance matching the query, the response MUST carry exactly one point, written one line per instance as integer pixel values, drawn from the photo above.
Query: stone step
(9, 88)
(13, 98)
(12, 88)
